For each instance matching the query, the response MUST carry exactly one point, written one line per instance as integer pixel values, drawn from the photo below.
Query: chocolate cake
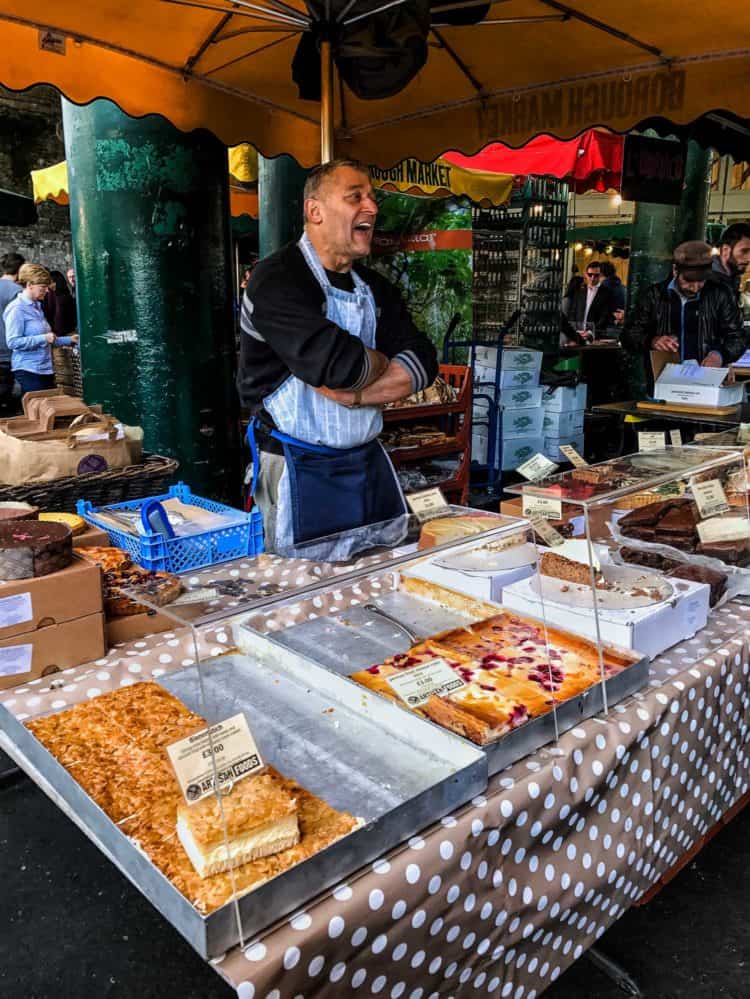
(29, 548)
(731, 552)
(700, 574)
(646, 516)
(649, 560)
(18, 511)
(679, 520)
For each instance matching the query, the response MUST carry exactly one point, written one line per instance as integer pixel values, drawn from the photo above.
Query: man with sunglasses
(593, 303)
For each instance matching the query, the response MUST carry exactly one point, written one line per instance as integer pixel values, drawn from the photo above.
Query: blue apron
(339, 494)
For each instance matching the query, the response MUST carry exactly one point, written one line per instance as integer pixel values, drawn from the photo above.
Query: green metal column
(149, 210)
(692, 215)
(280, 184)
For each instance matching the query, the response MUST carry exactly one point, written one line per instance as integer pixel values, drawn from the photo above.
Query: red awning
(592, 162)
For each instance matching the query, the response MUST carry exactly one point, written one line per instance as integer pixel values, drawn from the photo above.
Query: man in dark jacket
(733, 257)
(593, 303)
(688, 315)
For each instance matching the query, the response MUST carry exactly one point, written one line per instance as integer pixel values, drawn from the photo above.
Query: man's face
(71, 277)
(737, 257)
(344, 213)
(593, 276)
(690, 289)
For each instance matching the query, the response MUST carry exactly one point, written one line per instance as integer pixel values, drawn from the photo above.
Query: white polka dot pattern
(501, 897)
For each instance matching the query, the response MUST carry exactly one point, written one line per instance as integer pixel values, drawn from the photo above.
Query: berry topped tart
(510, 672)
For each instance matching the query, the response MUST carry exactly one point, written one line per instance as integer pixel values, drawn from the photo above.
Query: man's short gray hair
(319, 174)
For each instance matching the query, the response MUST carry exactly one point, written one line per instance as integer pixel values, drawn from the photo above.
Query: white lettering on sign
(538, 467)
(427, 504)
(651, 441)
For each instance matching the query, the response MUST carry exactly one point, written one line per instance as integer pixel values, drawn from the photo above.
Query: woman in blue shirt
(28, 334)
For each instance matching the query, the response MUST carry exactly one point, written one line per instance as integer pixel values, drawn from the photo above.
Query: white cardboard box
(517, 450)
(562, 424)
(648, 630)
(522, 422)
(562, 400)
(521, 398)
(552, 445)
(690, 384)
(518, 378)
(510, 358)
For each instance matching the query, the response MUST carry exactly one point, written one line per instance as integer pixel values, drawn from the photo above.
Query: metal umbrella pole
(326, 102)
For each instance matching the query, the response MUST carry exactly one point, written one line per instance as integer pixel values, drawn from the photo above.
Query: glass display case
(662, 537)
(292, 721)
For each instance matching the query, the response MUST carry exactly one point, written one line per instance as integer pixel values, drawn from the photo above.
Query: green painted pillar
(280, 184)
(149, 210)
(692, 215)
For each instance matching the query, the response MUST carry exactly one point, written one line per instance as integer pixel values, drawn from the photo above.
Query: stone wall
(31, 138)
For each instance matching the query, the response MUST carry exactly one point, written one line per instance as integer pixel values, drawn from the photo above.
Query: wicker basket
(151, 477)
(67, 364)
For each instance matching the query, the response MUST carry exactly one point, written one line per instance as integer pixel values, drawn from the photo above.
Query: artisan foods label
(15, 610)
(710, 498)
(16, 659)
(427, 504)
(538, 467)
(229, 745)
(743, 434)
(547, 532)
(723, 529)
(675, 438)
(651, 441)
(549, 507)
(573, 456)
(417, 685)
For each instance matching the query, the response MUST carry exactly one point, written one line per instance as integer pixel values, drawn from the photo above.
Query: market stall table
(659, 412)
(512, 889)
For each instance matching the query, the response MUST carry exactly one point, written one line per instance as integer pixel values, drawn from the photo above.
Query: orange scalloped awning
(530, 67)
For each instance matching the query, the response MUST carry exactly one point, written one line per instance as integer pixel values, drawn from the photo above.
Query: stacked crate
(563, 412)
(521, 416)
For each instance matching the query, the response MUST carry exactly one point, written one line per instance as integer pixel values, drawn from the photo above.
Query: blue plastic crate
(194, 551)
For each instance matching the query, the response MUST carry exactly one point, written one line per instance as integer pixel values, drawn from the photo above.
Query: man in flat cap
(687, 315)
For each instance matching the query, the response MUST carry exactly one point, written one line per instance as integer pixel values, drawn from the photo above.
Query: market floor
(72, 926)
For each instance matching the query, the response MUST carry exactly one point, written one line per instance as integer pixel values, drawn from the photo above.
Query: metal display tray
(334, 629)
(395, 772)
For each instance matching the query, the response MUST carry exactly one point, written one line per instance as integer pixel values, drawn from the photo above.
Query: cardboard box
(647, 630)
(522, 422)
(562, 424)
(521, 398)
(552, 446)
(518, 378)
(135, 626)
(511, 358)
(517, 450)
(563, 400)
(689, 384)
(28, 604)
(479, 445)
(94, 537)
(48, 650)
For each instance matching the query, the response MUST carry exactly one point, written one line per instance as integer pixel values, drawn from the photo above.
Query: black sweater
(285, 331)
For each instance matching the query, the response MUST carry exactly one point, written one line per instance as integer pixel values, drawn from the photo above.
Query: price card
(710, 498)
(536, 468)
(743, 434)
(573, 456)
(548, 507)
(547, 532)
(651, 441)
(427, 504)
(232, 747)
(675, 437)
(723, 529)
(417, 685)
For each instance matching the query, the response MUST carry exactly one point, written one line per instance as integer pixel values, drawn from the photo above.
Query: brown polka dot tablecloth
(501, 897)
